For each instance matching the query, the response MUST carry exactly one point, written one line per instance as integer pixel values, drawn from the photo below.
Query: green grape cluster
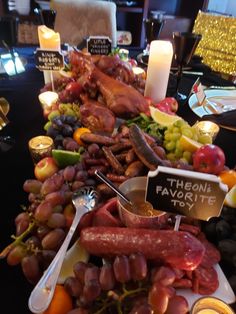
(173, 144)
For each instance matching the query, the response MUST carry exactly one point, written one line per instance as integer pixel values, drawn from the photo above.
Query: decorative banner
(97, 45)
(218, 43)
(47, 60)
(185, 193)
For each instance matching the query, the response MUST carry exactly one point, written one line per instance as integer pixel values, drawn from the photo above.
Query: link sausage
(142, 149)
(97, 138)
(178, 248)
(115, 164)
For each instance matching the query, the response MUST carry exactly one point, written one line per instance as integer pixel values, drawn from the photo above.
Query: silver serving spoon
(103, 178)
(84, 200)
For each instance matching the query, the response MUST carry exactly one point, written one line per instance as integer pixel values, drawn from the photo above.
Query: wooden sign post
(186, 193)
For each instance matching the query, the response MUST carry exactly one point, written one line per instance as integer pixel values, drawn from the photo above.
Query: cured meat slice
(205, 280)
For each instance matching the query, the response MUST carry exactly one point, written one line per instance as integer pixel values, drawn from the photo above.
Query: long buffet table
(26, 121)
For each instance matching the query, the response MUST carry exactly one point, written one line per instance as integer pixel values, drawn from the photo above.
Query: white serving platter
(224, 291)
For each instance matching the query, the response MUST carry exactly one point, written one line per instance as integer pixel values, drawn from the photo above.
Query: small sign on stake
(49, 60)
(198, 90)
(186, 193)
(98, 45)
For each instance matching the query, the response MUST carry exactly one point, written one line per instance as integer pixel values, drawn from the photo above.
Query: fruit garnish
(189, 144)
(65, 158)
(230, 199)
(61, 302)
(163, 118)
(78, 132)
(228, 177)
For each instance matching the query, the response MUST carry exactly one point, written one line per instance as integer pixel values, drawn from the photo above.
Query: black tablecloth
(26, 121)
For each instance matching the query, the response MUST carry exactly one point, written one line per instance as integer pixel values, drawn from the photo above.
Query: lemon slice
(163, 118)
(65, 73)
(187, 144)
(65, 158)
(75, 254)
(230, 199)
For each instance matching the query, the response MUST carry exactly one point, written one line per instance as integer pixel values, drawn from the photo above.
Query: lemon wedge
(163, 118)
(64, 73)
(187, 144)
(230, 199)
(75, 254)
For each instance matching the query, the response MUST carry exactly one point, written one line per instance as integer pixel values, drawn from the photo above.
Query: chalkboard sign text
(98, 45)
(186, 193)
(49, 60)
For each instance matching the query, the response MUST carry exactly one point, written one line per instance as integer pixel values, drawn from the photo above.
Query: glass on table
(6, 141)
(208, 128)
(153, 27)
(40, 146)
(211, 305)
(185, 44)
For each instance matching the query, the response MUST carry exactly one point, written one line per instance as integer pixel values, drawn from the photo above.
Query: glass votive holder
(139, 73)
(211, 305)
(208, 128)
(47, 99)
(40, 146)
(124, 54)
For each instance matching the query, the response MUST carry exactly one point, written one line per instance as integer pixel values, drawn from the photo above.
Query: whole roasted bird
(122, 99)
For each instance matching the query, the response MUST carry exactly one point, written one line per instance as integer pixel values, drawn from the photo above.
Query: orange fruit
(61, 302)
(228, 177)
(78, 132)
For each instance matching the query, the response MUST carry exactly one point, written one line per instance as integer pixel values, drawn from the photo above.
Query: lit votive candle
(139, 72)
(47, 99)
(211, 305)
(124, 53)
(40, 146)
(208, 128)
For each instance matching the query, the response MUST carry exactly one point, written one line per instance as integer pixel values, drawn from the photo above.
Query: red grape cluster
(126, 283)
(61, 127)
(42, 226)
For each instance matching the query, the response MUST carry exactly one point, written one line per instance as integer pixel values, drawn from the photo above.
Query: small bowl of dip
(141, 214)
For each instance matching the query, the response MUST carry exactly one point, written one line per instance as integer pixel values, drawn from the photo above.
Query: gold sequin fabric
(218, 43)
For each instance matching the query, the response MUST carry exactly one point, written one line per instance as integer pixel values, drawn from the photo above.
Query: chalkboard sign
(97, 45)
(49, 60)
(185, 193)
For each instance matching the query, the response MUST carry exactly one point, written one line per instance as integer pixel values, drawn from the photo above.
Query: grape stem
(118, 299)
(17, 240)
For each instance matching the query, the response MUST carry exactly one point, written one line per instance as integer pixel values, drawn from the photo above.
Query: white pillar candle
(159, 63)
(48, 40)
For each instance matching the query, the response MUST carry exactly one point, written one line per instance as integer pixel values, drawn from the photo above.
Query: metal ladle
(101, 176)
(84, 201)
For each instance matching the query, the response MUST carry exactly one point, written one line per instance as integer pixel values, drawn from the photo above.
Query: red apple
(46, 112)
(45, 168)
